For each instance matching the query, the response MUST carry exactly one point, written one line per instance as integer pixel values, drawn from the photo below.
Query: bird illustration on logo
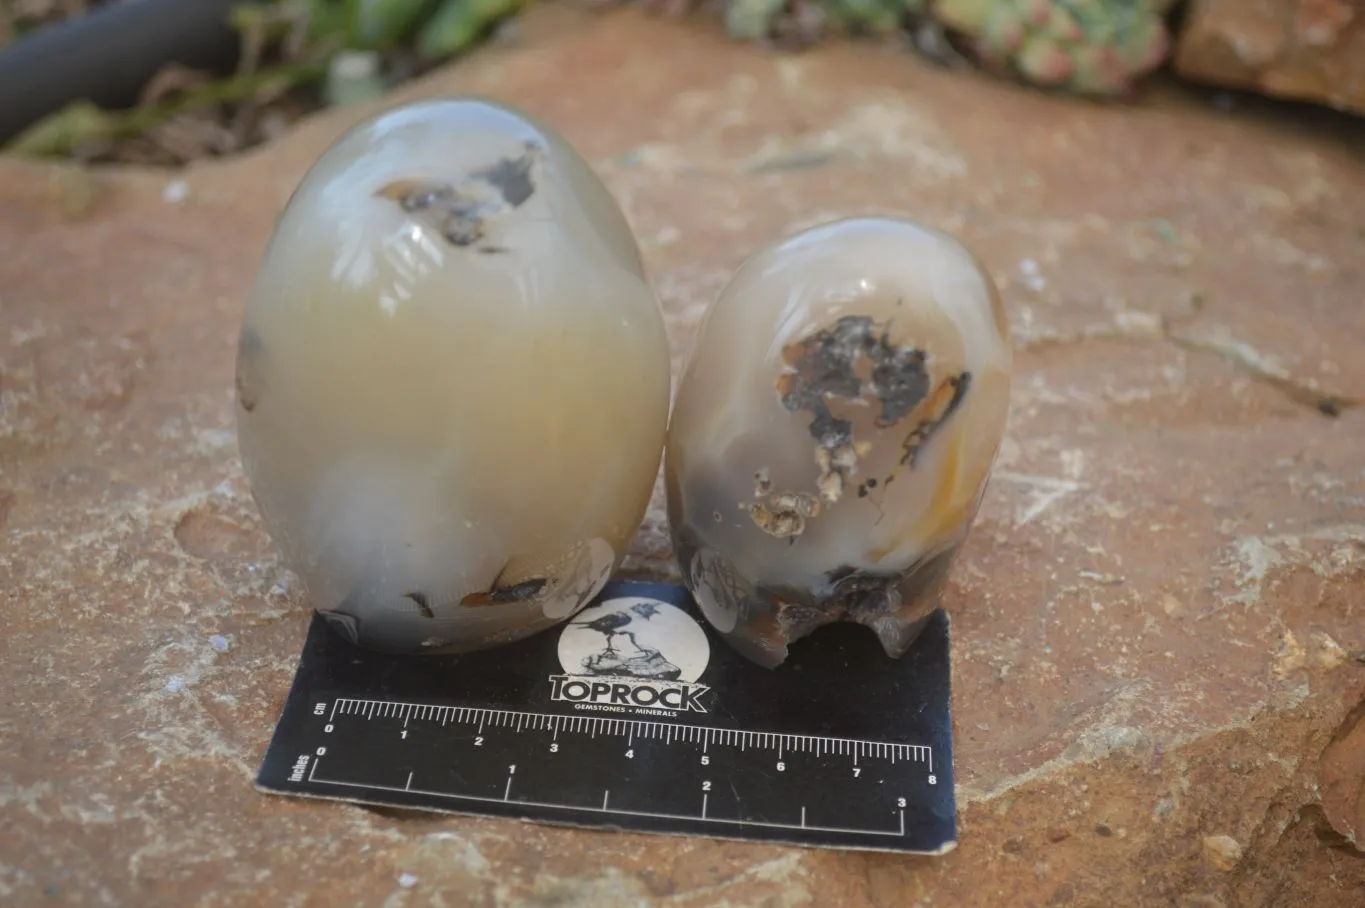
(634, 637)
(632, 660)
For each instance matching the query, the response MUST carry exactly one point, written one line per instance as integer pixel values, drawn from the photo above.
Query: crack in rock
(1134, 326)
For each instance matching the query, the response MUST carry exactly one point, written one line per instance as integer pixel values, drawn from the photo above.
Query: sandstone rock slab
(1303, 50)
(1155, 618)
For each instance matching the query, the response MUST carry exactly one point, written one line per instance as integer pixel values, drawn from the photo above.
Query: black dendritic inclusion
(826, 363)
(423, 605)
(920, 435)
(854, 359)
(497, 594)
(462, 211)
(518, 591)
(511, 177)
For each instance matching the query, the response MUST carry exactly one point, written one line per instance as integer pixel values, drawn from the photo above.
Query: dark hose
(108, 55)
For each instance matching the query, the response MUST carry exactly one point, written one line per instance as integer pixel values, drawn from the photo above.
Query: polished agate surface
(833, 433)
(452, 380)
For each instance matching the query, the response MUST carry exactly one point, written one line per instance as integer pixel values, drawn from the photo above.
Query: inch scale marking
(604, 809)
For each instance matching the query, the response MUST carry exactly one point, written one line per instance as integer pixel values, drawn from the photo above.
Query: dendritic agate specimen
(452, 380)
(833, 433)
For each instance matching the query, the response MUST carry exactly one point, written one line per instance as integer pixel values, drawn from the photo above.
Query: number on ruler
(781, 767)
(554, 748)
(320, 709)
(512, 770)
(478, 742)
(405, 732)
(327, 728)
(630, 754)
(705, 760)
(900, 802)
(706, 786)
(933, 780)
(857, 771)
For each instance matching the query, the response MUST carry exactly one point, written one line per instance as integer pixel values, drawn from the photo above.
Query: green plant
(1093, 47)
(288, 46)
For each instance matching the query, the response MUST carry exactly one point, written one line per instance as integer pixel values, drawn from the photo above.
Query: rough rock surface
(1304, 50)
(1158, 620)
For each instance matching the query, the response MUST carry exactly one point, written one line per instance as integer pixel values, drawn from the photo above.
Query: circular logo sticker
(634, 637)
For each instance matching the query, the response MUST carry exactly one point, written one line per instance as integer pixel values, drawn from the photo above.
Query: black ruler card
(634, 715)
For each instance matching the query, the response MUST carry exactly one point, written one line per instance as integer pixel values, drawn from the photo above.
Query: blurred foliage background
(298, 55)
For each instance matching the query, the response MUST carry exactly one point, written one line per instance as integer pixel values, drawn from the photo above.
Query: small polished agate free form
(833, 433)
(452, 380)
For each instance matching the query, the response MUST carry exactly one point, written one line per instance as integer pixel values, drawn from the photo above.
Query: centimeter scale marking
(664, 732)
(667, 732)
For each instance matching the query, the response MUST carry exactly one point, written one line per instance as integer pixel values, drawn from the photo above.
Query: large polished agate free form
(452, 380)
(833, 433)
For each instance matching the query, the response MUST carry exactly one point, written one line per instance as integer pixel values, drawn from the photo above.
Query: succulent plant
(1089, 47)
